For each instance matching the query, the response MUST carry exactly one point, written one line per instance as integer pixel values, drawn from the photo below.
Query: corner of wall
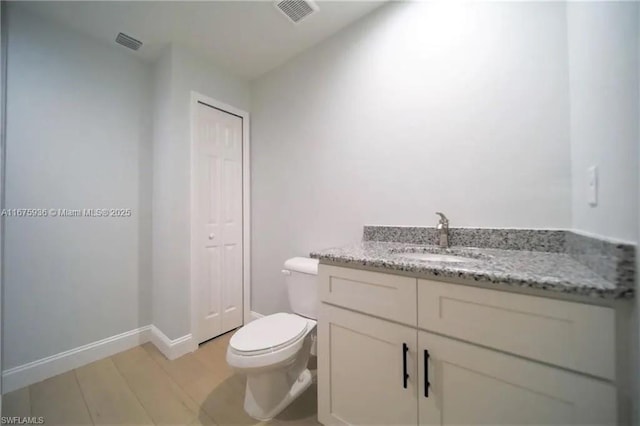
(175, 348)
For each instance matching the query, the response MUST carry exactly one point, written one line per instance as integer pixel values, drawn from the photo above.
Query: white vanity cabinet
(396, 350)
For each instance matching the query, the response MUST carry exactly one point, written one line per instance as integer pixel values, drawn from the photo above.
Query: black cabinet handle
(426, 374)
(405, 375)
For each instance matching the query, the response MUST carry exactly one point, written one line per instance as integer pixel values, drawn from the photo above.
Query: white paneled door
(218, 215)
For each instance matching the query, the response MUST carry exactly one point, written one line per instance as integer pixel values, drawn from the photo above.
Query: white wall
(417, 108)
(177, 73)
(604, 67)
(164, 200)
(603, 64)
(78, 136)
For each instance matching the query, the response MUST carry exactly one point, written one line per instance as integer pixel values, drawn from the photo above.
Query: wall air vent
(127, 41)
(296, 10)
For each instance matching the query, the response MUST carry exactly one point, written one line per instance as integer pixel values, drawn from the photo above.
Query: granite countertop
(554, 272)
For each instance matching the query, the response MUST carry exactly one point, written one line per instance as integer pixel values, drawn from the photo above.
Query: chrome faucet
(443, 231)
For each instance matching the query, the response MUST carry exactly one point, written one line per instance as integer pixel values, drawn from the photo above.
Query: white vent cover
(128, 41)
(296, 10)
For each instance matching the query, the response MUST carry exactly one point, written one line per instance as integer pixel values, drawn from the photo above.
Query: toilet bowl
(273, 351)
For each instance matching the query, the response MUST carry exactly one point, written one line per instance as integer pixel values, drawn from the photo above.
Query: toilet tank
(301, 275)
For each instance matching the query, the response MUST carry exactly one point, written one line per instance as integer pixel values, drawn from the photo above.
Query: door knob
(212, 236)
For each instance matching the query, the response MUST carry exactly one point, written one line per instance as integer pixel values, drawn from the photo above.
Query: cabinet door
(361, 363)
(471, 385)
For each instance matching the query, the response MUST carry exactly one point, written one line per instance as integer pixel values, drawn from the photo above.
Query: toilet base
(276, 392)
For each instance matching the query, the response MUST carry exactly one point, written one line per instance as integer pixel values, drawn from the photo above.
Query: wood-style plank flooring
(141, 387)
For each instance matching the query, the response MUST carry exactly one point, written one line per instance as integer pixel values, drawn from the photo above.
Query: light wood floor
(140, 386)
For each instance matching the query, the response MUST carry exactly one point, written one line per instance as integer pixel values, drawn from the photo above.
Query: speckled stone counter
(546, 271)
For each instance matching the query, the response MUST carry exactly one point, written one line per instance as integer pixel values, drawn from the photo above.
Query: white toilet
(273, 351)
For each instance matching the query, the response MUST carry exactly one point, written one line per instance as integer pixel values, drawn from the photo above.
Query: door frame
(196, 98)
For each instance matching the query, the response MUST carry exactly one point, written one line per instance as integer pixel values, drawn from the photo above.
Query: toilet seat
(268, 334)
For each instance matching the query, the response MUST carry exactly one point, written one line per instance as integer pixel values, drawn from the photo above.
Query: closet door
(218, 211)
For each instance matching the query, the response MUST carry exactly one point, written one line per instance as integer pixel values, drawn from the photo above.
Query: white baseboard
(33, 372)
(255, 316)
(172, 349)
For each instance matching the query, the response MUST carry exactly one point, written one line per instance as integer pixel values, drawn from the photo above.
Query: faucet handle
(443, 219)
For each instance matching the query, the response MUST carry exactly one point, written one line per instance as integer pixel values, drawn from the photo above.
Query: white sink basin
(431, 257)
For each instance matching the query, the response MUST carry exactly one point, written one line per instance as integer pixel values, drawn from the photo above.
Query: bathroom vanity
(403, 341)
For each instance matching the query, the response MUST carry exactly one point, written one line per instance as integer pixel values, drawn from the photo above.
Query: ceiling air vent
(127, 41)
(296, 10)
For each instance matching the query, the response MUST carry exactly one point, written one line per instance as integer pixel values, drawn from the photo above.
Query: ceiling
(247, 38)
